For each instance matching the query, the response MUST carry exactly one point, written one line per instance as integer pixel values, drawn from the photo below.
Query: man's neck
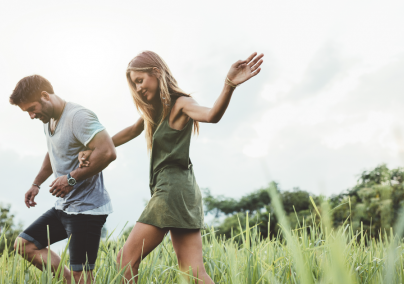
(58, 107)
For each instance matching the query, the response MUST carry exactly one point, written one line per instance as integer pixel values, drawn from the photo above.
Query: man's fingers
(26, 200)
(52, 188)
(61, 193)
(31, 200)
(53, 182)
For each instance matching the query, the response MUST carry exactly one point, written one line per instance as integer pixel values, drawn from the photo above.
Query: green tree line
(374, 203)
(8, 226)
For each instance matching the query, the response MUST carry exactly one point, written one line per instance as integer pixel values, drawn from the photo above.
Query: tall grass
(315, 254)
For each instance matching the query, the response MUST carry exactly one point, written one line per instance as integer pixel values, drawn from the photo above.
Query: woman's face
(146, 85)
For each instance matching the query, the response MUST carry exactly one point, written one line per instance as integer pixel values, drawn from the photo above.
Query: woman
(168, 115)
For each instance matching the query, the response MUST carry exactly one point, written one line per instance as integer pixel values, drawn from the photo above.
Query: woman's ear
(156, 72)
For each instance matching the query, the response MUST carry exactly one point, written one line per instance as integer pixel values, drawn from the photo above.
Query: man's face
(42, 109)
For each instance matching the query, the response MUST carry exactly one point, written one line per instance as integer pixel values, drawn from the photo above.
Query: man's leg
(30, 252)
(85, 234)
(32, 243)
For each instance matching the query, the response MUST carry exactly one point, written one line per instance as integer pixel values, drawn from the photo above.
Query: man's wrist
(71, 180)
(37, 185)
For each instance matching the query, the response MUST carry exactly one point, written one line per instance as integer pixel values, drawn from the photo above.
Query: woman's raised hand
(83, 158)
(243, 70)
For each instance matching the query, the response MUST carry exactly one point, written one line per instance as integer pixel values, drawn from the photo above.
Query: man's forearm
(44, 172)
(99, 160)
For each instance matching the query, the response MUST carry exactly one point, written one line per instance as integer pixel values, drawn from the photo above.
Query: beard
(46, 112)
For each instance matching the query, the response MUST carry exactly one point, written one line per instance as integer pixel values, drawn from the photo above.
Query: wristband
(36, 185)
(230, 83)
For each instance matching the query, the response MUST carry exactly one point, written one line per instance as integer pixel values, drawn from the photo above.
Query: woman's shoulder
(181, 101)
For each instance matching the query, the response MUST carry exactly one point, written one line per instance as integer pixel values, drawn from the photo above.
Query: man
(83, 204)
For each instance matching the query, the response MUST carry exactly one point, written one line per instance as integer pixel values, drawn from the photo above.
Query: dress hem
(175, 227)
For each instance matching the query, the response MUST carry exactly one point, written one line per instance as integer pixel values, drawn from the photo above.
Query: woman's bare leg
(141, 241)
(188, 247)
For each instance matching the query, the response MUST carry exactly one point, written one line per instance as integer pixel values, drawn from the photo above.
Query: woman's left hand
(84, 157)
(243, 70)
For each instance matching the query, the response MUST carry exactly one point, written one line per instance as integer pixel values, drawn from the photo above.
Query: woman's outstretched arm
(120, 138)
(239, 72)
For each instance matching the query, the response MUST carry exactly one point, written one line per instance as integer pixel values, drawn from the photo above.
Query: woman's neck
(156, 112)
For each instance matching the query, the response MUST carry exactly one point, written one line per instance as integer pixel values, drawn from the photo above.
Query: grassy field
(319, 254)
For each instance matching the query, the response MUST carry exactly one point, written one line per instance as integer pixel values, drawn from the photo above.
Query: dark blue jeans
(84, 231)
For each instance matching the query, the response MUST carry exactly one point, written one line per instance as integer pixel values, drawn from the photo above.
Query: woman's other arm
(128, 133)
(118, 139)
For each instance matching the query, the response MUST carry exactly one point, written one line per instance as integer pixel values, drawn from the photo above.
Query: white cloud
(325, 105)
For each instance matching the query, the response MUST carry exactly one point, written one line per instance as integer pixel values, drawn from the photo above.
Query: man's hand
(60, 187)
(30, 195)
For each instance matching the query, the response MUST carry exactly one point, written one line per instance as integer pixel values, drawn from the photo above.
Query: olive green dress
(176, 200)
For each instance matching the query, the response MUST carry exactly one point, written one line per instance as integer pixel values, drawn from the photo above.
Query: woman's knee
(186, 266)
(119, 257)
(122, 262)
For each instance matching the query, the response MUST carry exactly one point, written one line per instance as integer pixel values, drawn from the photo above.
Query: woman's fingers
(255, 67)
(83, 159)
(251, 57)
(256, 59)
(239, 63)
(255, 72)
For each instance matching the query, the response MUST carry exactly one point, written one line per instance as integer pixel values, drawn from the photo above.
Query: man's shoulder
(75, 110)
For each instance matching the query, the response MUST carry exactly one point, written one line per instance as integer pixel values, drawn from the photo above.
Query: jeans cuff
(31, 239)
(81, 267)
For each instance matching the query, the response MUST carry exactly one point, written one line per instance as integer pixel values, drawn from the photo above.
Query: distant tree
(8, 229)
(258, 204)
(374, 202)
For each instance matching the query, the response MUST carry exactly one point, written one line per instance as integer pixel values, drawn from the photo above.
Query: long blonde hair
(146, 61)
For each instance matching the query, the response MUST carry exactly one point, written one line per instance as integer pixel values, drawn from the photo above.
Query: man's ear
(45, 95)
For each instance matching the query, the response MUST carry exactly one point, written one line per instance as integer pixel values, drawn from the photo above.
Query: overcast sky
(326, 105)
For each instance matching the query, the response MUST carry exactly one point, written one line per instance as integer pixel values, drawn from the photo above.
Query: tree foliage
(8, 227)
(374, 203)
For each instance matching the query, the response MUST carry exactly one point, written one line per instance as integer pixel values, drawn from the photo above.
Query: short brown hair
(29, 89)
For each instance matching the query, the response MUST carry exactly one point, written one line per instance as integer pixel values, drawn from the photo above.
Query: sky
(326, 106)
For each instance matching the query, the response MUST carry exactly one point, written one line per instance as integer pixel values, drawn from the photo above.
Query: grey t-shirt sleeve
(85, 126)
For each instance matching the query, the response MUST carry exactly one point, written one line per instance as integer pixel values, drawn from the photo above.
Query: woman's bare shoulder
(183, 101)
